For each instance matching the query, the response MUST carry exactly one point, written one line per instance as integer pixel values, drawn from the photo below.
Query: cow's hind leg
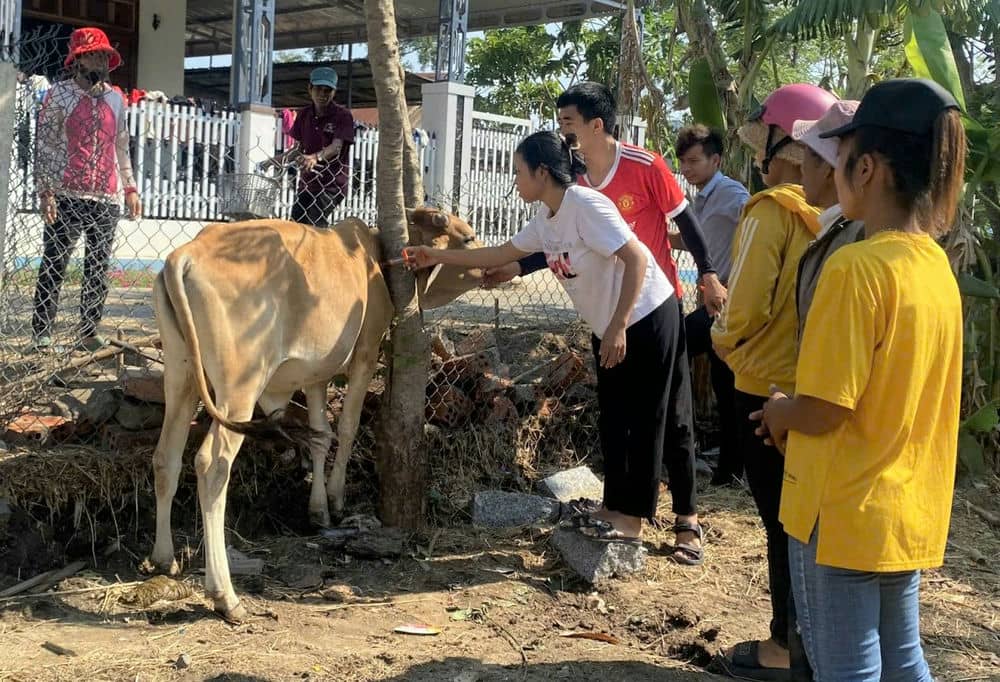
(319, 448)
(361, 373)
(181, 397)
(212, 464)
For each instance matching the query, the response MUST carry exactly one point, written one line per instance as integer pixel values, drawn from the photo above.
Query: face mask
(96, 76)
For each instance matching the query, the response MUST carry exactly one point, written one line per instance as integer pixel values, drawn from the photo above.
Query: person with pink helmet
(756, 336)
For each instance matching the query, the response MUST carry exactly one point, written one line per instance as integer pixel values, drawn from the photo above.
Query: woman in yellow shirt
(873, 427)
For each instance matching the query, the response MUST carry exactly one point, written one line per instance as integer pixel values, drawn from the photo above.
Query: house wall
(161, 50)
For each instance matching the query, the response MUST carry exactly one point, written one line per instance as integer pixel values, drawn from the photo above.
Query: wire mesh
(511, 373)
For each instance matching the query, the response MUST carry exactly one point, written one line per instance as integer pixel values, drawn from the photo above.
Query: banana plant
(929, 53)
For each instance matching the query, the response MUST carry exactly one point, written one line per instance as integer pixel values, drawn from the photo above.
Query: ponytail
(547, 149)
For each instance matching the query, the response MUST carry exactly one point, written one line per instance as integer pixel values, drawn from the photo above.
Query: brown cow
(258, 310)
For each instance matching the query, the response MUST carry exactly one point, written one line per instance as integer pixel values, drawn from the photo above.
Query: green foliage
(706, 107)
(518, 67)
(928, 50)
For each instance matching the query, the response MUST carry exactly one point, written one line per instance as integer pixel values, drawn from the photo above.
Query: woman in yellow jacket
(756, 336)
(873, 427)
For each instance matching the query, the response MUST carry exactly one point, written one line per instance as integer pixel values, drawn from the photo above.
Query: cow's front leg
(361, 373)
(319, 511)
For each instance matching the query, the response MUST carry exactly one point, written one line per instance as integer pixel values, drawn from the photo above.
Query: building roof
(318, 23)
(292, 78)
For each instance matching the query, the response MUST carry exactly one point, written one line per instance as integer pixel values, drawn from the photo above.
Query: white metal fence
(179, 153)
(492, 203)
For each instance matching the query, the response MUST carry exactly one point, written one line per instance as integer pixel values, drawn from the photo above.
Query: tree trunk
(402, 466)
(860, 49)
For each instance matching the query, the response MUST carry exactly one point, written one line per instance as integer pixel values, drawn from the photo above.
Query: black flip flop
(745, 665)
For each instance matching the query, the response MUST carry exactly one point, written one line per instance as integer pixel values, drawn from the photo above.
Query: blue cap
(323, 75)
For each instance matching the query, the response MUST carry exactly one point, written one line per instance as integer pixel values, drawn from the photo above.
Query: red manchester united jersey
(646, 194)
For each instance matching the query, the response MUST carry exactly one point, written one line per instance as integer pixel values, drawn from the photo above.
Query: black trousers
(315, 208)
(632, 398)
(765, 468)
(97, 220)
(698, 326)
(679, 443)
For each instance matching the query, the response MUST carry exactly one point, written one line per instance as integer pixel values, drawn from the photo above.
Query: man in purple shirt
(323, 134)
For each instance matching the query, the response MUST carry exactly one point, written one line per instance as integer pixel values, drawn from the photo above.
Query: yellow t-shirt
(884, 338)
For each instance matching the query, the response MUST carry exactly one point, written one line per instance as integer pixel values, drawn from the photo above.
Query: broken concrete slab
(90, 406)
(137, 416)
(143, 383)
(595, 561)
(573, 484)
(501, 509)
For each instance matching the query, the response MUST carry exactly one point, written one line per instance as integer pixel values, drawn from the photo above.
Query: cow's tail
(273, 427)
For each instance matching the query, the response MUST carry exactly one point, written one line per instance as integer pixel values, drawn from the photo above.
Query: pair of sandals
(581, 518)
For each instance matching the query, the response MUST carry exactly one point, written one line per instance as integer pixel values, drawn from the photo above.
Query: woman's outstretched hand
(417, 257)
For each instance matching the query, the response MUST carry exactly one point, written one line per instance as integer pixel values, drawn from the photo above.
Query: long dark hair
(547, 149)
(927, 170)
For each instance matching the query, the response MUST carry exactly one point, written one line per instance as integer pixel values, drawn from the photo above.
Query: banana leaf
(703, 96)
(929, 52)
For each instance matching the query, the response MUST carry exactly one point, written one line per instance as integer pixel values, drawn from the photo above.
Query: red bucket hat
(84, 40)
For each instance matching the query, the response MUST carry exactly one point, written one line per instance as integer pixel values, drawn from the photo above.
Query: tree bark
(402, 465)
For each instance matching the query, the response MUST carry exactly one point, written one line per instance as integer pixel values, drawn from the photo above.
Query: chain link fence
(511, 377)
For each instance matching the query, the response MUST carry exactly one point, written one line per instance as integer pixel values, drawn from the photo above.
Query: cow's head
(431, 227)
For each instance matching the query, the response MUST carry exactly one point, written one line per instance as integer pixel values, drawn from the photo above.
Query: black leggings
(632, 397)
(765, 471)
(698, 326)
(315, 208)
(97, 220)
(678, 444)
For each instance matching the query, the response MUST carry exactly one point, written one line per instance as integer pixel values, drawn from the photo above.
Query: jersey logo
(626, 203)
(329, 128)
(560, 265)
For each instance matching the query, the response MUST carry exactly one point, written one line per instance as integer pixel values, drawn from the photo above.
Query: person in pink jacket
(84, 173)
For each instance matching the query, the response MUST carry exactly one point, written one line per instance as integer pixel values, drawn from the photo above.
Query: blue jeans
(857, 626)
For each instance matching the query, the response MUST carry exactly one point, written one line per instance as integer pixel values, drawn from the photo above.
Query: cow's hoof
(150, 566)
(235, 615)
(320, 519)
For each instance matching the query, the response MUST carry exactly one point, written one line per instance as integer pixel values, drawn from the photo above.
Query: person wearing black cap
(870, 435)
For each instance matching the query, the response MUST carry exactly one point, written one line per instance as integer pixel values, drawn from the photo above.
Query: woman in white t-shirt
(620, 291)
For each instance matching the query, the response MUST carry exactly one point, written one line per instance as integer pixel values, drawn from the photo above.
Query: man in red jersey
(648, 197)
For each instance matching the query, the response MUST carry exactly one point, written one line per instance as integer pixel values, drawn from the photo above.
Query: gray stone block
(500, 509)
(595, 561)
(573, 484)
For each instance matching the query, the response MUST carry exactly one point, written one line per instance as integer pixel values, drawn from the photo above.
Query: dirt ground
(504, 605)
